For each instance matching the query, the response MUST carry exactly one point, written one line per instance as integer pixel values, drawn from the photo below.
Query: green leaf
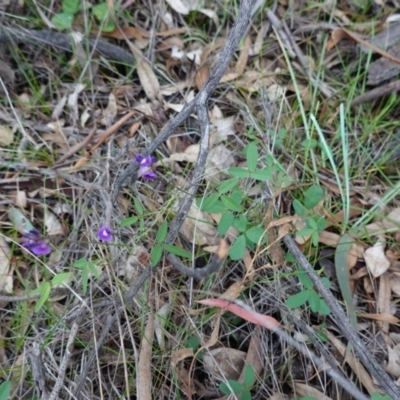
(237, 196)
(326, 282)
(85, 279)
(93, 269)
(321, 224)
(129, 221)
(264, 174)
(138, 206)
(156, 253)
(235, 387)
(252, 156)
(255, 233)
(5, 389)
(315, 238)
(162, 232)
(299, 208)
(108, 26)
(298, 299)
(62, 20)
(178, 251)
(239, 172)
(60, 278)
(305, 280)
(230, 204)
(312, 196)
(81, 263)
(314, 301)
(238, 248)
(225, 223)
(312, 224)
(101, 11)
(207, 204)
(246, 395)
(305, 232)
(323, 308)
(227, 185)
(193, 342)
(240, 223)
(19, 221)
(70, 6)
(249, 376)
(310, 143)
(45, 293)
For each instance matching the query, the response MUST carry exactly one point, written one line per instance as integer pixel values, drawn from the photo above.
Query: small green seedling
(86, 266)
(70, 8)
(315, 224)
(240, 390)
(160, 246)
(309, 295)
(45, 288)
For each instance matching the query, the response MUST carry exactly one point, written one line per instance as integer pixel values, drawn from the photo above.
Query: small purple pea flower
(105, 234)
(34, 243)
(145, 170)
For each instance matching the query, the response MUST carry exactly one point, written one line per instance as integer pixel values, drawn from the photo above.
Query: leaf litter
(65, 140)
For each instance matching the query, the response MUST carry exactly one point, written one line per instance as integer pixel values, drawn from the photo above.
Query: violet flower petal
(147, 173)
(40, 248)
(35, 244)
(105, 234)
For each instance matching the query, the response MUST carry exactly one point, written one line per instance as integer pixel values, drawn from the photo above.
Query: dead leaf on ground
(376, 260)
(6, 135)
(148, 80)
(306, 390)
(6, 279)
(224, 363)
(198, 227)
(341, 33)
(110, 112)
(393, 365)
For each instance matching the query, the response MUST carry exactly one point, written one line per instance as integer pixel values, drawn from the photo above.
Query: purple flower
(145, 170)
(34, 242)
(105, 234)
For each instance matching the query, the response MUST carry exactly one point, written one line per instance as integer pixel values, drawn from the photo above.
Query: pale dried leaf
(110, 112)
(59, 108)
(6, 279)
(376, 260)
(6, 135)
(329, 238)
(306, 390)
(190, 154)
(179, 355)
(225, 127)
(179, 6)
(392, 220)
(393, 365)
(53, 224)
(219, 159)
(198, 227)
(73, 101)
(159, 324)
(148, 80)
(224, 363)
(395, 284)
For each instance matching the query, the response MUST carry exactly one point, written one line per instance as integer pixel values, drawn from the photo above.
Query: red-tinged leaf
(250, 316)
